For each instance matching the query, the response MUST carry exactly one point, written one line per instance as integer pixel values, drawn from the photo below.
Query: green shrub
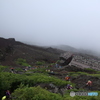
(89, 70)
(34, 93)
(42, 78)
(39, 70)
(98, 72)
(12, 81)
(9, 81)
(22, 62)
(40, 63)
(82, 73)
(2, 68)
(19, 69)
(95, 75)
(76, 74)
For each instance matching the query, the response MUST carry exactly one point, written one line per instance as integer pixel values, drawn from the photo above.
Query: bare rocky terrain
(87, 61)
(11, 50)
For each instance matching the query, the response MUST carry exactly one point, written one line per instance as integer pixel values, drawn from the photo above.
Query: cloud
(53, 22)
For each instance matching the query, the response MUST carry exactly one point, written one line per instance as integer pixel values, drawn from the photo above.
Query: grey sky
(52, 22)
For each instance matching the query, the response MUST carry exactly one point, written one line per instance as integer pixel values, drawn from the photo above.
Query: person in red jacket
(67, 78)
(12, 70)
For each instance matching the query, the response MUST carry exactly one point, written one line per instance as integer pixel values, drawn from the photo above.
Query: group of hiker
(13, 70)
(57, 66)
(69, 86)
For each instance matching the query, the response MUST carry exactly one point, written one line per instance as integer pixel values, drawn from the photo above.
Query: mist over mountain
(66, 48)
(11, 50)
(76, 50)
(52, 22)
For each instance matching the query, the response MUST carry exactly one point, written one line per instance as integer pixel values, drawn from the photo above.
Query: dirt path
(83, 65)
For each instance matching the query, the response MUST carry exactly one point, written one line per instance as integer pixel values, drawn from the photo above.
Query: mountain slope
(11, 50)
(66, 48)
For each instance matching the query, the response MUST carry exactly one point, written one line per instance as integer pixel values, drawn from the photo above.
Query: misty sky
(52, 22)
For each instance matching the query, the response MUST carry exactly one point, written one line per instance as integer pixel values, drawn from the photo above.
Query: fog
(52, 22)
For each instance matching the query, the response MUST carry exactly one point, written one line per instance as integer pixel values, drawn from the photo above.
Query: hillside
(82, 58)
(66, 48)
(11, 50)
(36, 76)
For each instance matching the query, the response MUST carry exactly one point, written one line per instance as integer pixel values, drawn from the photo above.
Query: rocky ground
(81, 80)
(93, 62)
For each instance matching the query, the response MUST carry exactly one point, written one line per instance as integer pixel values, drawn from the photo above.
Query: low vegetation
(34, 93)
(40, 63)
(22, 62)
(25, 86)
(76, 74)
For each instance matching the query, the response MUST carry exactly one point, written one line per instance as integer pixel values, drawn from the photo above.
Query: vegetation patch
(76, 74)
(22, 62)
(40, 63)
(89, 70)
(34, 93)
(12, 81)
(2, 68)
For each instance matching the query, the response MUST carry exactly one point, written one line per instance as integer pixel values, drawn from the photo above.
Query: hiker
(56, 65)
(4, 98)
(89, 84)
(12, 70)
(69, 86)
(8, 95)
(52, 72)
(25, 69)
(67, 78)
(60, 66)
(49, 70)
(29, 67)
